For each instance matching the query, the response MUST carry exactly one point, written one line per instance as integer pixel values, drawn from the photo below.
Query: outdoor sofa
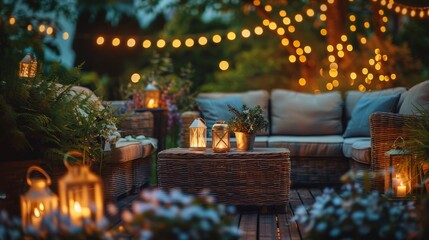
(326, 133)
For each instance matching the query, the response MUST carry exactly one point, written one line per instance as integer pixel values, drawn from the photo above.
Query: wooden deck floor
(265, 223)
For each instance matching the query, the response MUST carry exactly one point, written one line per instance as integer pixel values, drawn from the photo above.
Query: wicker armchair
(385, 128)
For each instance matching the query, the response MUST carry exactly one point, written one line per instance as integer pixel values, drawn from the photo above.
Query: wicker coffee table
(259, 177)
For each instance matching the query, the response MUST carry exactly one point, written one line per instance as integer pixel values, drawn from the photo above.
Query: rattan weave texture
(259, 177)
(385, 128)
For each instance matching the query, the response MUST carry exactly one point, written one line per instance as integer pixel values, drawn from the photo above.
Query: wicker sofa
(324, 132)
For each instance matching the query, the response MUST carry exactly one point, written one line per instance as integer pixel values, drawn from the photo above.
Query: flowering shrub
(174, 215)
(354, 214)
(156, 215)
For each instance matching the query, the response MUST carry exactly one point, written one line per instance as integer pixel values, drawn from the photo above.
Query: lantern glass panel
(398, 179)
(198, 135)
(81, 194)
(28, 66)
(39, 201)
(152, 96)
(220, 137)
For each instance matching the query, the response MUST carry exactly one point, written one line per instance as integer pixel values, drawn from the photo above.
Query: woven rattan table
(258, 177)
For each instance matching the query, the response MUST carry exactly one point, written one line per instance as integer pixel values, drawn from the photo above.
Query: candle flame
(77, 207)
(151, 103)
(41, 207)
(36, 213)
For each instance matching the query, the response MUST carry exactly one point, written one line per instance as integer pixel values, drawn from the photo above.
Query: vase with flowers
(245, 124)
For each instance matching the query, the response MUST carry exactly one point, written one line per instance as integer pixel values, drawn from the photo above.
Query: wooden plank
(315, 192)
(293, 205)
(306, 197)
(249, 226)
(288, 229)
(267, 227)
(236, 220)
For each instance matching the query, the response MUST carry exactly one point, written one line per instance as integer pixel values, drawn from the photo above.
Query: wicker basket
(138, 123)
(260, 177)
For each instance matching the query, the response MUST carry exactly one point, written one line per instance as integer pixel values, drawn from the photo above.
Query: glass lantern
(152, 95)
(80, 192)
(198, 135)
(28, 66)
(220, 137)
(38, 201)
(399, 175)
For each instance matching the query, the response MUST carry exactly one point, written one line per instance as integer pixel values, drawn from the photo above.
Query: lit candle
(396, 181)
(151, 103)
(401, 190)
(36, 218)
(79, 212)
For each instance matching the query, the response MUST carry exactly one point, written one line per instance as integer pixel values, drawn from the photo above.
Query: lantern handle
(202, 120)
(399, 143)
(73, 153)
(39, 169)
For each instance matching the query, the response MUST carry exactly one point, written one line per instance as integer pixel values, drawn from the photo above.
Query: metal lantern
(38, 201)
(152, 95)
(398, 180)
(28, 66)
(80, 192)
(220, 137)
(198, 135)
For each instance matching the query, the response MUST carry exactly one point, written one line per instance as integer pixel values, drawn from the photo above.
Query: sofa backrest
(250, 98)
(416, 98)
(294, 113)
(353, 96)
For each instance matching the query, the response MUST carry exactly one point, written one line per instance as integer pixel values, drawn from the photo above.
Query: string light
(216, 38)
(146, 43)
(223, 65)
(131, 42)
(231, 36)
(189, 42)
(203, 40)
(423, 11)
(30, 27)
(245, 33)
(116, 42)
(12, 20)
(302, 82)
(66, 35)
(135, 77)
(100, 40)
(160, 43)
(176, 43)
(259, 30)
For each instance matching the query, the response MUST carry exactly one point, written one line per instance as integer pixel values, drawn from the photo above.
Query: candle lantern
(220, 137)
(28, 66)
(152, 95)
(198, 135)
(399, 175)
(39, 201)
(80, 192)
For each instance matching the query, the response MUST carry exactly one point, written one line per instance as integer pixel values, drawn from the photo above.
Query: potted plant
(246, 124)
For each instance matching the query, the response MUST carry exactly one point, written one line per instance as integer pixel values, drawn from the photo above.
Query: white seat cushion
(131, 150)
(361, 151)
(348, 143)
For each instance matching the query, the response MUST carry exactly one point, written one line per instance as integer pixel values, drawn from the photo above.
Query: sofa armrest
(385, 128)
(186, 119)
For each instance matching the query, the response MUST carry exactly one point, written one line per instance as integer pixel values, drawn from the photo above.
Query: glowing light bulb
(100, 40)
(223, 65)
(135, 77)
(245, 33)
(176, 43)
(231, 36)
(116, 42)
(203, 40)
(147, 43)
(131, 42)
(302, 82)
(216, 38)
(161, 43)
